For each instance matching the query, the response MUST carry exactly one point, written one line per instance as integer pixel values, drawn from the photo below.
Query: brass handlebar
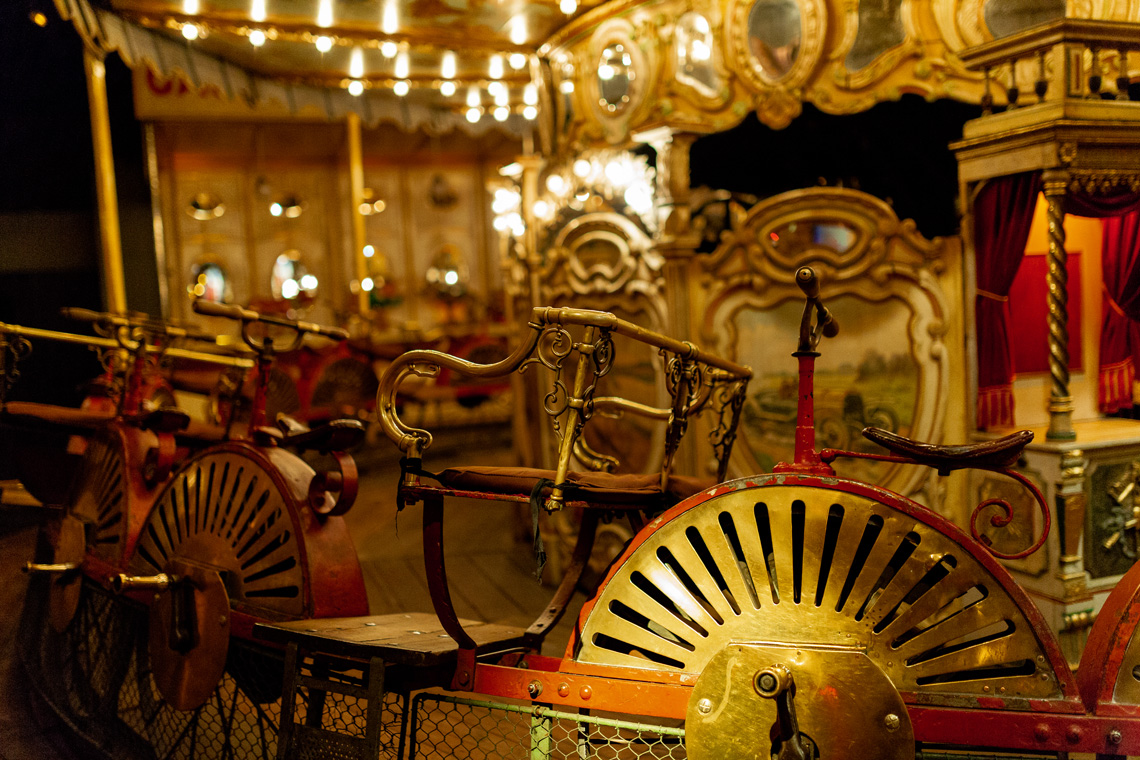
(121, 582)
(98, 342)
(246, 316)
(58, 568)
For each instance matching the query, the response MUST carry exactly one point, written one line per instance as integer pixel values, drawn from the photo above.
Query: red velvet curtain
(1120, 332)
(1003, 213)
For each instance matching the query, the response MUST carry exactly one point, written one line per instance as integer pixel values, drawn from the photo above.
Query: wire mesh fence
(449, 727)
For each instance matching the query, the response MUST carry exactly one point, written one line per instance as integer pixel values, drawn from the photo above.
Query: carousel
(812, 327)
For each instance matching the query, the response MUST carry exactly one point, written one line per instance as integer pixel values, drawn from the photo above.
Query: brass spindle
(1060, 402)
(1095, 79)
(1013, 93)
(1041, 86)
(1122, 81)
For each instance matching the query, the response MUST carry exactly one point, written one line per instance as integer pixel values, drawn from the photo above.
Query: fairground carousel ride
(585, 218)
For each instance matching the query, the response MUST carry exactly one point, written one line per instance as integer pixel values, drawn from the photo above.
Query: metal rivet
(221, 619)
(563, 689)
(1115, 737)
(986, 689)
(892, 722)
(534, 688)
(1073, 734)
(464, 677)
(704, 707)
(585, 692)
(1001, 690)
(1041, 732)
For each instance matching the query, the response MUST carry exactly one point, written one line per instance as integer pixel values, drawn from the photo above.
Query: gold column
(356, 180)
(677, 242)
(1060, 402)
(531, 168)
(114, 287)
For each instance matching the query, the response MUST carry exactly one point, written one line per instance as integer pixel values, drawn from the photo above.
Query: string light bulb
(473, 115)
(356, 63)
(324, 44)
(447, 88)
(530, 113)
(473, 100)
(502, 97)
(257, 10)
(495, 67)
(388, 49)
(256, 37)
(401, 87)
(501, 113)
(530, 94)
(356, 88)
(190, 31)
(518, 30)
(568, 6)
(390, 22)
(517, 61)
(325, 14)
(190, 7)
(402, 65)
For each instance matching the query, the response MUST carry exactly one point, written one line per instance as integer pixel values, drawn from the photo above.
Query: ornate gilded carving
(869, 262)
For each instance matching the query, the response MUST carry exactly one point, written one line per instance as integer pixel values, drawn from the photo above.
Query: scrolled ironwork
(727, 399)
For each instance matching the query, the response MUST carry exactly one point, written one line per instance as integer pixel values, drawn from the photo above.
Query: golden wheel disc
(224, 510)
(101, 495)
(792, 565)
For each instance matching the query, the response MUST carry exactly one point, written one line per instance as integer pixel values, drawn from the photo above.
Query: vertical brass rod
(156, 219)
(356, 179)
(1060, 402)
(114, 286)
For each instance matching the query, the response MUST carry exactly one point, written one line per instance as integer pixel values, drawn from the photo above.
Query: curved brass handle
(825, 322)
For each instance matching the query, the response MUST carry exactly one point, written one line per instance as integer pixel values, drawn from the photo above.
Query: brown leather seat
(595, 487)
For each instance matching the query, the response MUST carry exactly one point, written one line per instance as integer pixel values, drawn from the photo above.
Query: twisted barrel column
(1060, 401)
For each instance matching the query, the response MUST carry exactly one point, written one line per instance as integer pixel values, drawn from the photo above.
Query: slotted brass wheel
(225, 509)
(825, 565)
(100, 499)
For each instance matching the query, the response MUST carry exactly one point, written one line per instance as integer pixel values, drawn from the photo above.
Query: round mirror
(615, 77)
(290, 279)
(288, 206)
(205, 206)
(209, 282)
(775, 30)
(694, 53)
(447, 275)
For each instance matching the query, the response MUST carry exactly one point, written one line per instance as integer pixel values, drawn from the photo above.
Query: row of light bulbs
(389, 25)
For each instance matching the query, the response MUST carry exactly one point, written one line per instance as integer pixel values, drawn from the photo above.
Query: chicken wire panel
(331, 724)
(95, 675)
(454, 728)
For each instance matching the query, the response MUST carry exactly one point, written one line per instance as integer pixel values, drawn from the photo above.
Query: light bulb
(530, 94)
(494, 88)
(530, 113)
(369, 251)
(541, 209)
(356, 88)
(309, 282)
(257, 10)
(190, 31)
(555, 184)
(518, 30)
(401, 88)
(256, 37)
(324, 44)
(402, 65)
(503, 97)
(325, 14)
(517, 61)
(447, 65)
(566, 86)
(447, 89)
(356, 63)
(366, 284)
(190, 7)
(568, 6)
(581, 168)
(473, 115)
(501, 113)
(495, 67)
(390, 21)
(605, 72)
(388, 49)
(473, 97)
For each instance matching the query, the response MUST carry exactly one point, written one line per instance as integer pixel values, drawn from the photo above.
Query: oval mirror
(694, 40)
(615, 77)
(775, 30)
(209, 282)
(205, 206)
(800, 236)
(290, 279)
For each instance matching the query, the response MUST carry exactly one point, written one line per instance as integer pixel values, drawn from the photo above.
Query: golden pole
(114, 287)
(356, 178)
(1060, 401)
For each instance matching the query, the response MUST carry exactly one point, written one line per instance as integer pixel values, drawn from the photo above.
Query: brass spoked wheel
(100, 499)
(225, 509)
(825, 579)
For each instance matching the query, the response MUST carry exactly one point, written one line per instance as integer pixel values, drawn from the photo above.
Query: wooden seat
(393, 654)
